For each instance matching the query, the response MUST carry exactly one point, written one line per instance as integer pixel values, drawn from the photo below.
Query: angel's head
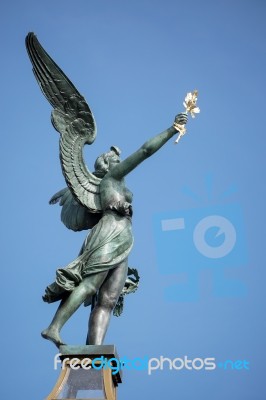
(104, 162)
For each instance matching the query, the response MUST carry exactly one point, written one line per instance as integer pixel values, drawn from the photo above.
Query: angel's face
(113, 160)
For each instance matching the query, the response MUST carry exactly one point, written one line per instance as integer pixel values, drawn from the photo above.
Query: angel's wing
(73, 119)
(73, 215)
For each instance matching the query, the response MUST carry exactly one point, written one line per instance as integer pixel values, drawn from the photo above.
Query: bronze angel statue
(98, 201)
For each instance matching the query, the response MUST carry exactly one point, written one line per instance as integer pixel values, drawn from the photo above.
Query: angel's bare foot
(53, 335)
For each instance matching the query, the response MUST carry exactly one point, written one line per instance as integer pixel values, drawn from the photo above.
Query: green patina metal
(99, 201)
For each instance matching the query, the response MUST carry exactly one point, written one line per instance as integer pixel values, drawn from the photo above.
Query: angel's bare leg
(87, 287)
(107, 299)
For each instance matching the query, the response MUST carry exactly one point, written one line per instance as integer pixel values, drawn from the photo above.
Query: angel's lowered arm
(146, 150)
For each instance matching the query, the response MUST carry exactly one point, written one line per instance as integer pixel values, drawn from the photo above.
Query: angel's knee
(107, 300)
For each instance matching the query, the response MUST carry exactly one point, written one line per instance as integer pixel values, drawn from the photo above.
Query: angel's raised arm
(146, 150)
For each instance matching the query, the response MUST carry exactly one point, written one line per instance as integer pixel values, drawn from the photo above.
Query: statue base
(87, 373)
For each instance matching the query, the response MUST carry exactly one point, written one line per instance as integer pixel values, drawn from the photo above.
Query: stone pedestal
(87, 373)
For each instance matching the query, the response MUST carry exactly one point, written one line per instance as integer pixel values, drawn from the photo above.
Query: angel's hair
(102, 162)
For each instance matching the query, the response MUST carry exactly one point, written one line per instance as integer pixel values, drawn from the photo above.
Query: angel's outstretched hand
(181, 118)
(179, 125)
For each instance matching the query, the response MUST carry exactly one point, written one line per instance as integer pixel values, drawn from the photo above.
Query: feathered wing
(73, 215)
(73, 119)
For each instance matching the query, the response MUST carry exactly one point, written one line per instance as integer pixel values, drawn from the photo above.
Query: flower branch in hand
(190, 108)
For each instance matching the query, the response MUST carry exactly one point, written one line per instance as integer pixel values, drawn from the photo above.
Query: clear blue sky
(134, 61)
